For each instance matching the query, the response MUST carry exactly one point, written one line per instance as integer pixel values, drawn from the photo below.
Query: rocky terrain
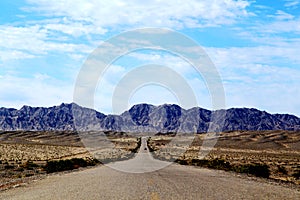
(144, 118)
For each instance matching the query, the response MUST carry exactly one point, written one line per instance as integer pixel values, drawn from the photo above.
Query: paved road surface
(172, 182)
(142, 162)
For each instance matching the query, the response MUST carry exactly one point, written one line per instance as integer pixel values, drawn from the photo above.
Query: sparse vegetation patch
(70, 164)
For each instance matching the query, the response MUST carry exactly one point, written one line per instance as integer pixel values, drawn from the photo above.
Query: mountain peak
(144, 118)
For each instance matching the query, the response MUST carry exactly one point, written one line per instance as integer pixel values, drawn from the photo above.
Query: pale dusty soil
(172, 182)
(277, 149)
(37, 152)
(20, 147)
(274, 148)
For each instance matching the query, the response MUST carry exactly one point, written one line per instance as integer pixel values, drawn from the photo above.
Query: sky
(254, 46)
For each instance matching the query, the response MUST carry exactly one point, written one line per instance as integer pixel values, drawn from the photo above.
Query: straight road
(171, 182)
(141, 163)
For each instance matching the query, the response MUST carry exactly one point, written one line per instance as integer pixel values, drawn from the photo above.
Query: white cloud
(237, 56)
(31, 41)
(273, 97)
(259, 76)
(281, 15)
(291, 3)
(287, 26)
(39, 90)
(252, 80)
(66, 21)
(252, 76)
(41, 77)
(75, 29)
(152, 93)
(6, 55)
(155, 94)
(174, 62)
(145, 13)
(257, 60)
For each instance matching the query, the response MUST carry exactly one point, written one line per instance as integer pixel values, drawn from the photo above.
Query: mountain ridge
(144, 118)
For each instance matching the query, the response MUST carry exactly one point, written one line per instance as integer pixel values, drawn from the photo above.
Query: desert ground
(278, 150)
(23, 154)
(173, 181)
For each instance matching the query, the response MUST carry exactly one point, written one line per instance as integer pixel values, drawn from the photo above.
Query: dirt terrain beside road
(24, 154)
(278, 150)
(172, 182)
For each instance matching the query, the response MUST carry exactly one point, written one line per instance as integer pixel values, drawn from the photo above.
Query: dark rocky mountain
(144, 118)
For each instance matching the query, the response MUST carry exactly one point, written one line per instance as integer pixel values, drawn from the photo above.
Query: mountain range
(144, 118)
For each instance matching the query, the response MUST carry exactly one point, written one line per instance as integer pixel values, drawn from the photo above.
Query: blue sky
(253, 44)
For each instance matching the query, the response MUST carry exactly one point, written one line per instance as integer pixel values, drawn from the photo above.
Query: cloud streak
(156, 13)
